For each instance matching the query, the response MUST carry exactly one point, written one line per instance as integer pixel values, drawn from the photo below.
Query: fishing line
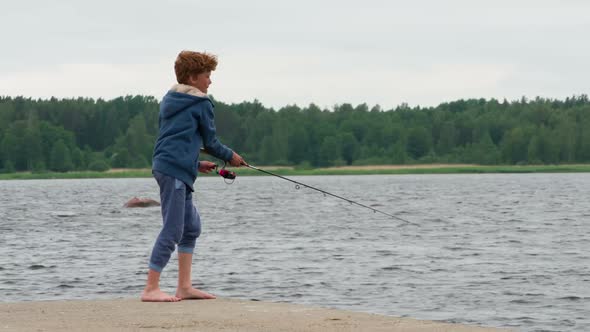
(300, 184)
(229, 175)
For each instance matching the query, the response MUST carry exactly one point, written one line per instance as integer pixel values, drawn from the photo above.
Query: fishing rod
(299, 184)
(229, 175)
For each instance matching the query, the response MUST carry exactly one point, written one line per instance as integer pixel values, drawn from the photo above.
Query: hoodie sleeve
(207, 130)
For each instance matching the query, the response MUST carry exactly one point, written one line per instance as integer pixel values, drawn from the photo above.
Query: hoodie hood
(188, 89)
(180, 97)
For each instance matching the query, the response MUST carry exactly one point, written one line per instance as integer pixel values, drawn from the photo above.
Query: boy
(186, 122)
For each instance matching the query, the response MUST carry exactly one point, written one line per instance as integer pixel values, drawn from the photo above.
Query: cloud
(331, 78)
(89, 80)
(328, 52)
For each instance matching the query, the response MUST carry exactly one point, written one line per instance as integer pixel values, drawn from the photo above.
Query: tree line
(86, 134)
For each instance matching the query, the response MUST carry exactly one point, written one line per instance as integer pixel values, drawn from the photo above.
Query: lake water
(504, 250)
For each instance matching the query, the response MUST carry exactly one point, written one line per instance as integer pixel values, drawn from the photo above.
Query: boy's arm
(210, 142)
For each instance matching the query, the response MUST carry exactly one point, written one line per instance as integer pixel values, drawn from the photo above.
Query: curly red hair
(193, 63)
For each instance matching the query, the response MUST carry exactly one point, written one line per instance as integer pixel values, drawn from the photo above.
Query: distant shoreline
(344, 170)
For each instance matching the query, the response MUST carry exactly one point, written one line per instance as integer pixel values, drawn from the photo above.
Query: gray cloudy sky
(421, 52)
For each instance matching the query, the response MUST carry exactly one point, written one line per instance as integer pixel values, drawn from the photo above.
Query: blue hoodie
(186, 123)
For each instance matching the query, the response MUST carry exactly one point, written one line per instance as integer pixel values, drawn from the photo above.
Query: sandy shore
(206, 316)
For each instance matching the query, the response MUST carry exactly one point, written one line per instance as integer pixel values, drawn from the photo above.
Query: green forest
(61, 135)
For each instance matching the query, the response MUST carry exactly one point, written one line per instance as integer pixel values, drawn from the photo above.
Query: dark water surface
(506, 250)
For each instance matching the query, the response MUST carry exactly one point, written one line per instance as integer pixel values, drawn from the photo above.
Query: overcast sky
(297, 52)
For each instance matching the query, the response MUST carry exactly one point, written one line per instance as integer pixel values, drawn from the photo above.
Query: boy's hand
(206, 166)
(237, 161)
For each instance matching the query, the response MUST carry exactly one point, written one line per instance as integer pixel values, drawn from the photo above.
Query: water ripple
(504, 250)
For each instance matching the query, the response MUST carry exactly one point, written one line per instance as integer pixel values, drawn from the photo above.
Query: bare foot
(156, 295)
(193, 293)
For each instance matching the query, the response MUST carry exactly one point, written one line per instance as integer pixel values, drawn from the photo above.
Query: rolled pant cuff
(186, 250)
(156, 268)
